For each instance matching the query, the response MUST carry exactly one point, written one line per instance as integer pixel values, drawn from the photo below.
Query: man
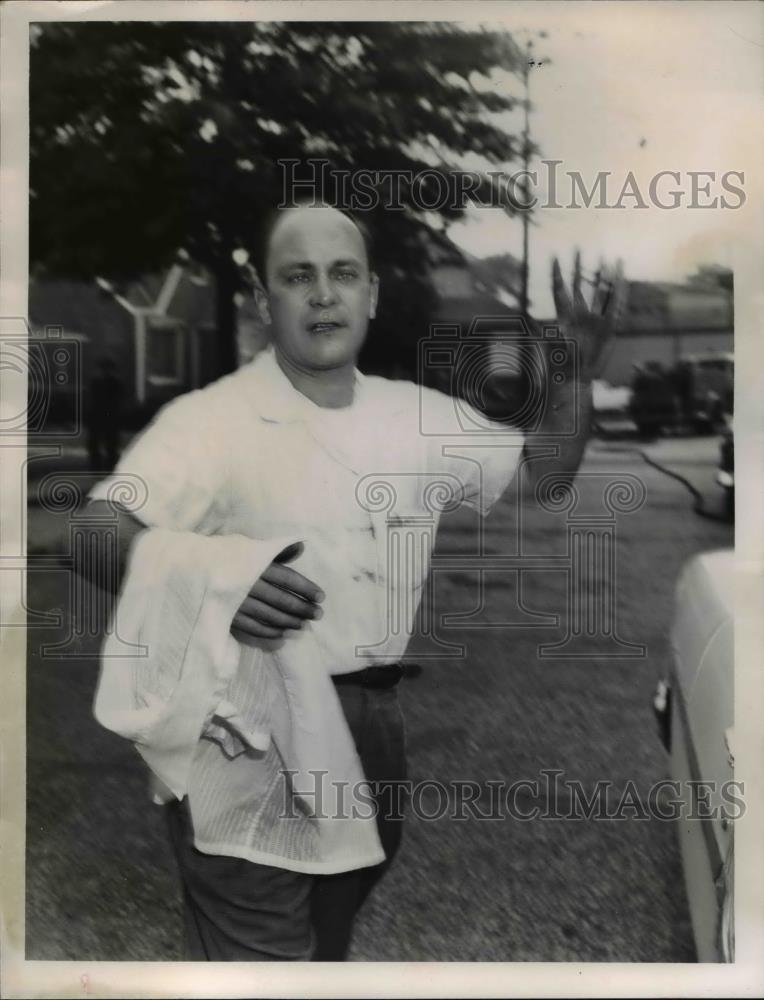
(104, 416)
(299, 447)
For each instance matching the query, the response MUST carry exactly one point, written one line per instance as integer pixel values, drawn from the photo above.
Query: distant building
(469, 288)
(476, 331)
(667, 320)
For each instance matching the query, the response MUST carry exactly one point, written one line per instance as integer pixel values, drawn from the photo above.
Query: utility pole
(526, 162)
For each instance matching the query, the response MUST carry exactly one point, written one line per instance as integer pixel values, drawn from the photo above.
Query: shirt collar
(276, 399)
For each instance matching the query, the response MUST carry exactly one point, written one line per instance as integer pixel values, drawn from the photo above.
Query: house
(159, 331)
(668, 320)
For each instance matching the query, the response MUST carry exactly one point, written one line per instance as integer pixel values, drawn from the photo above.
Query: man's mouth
(325, 327)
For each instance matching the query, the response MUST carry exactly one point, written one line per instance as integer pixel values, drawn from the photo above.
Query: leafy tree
(150, 138)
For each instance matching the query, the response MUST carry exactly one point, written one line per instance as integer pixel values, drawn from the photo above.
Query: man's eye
(347, 275)
(297, 279)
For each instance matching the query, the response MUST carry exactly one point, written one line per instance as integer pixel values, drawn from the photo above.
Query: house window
(165, 352)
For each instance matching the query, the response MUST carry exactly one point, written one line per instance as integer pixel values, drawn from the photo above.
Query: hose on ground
(698, 504)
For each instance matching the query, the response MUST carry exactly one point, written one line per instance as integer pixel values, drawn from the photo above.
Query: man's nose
(323, 291)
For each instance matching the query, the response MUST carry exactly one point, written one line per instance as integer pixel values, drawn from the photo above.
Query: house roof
(485, 285)
(671, 305)
(84, 306)
(193, 300)
(144, 291)
(176, 293)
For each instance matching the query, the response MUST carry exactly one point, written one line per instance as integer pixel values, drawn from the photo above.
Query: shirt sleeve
(480, 456)
(174, 474)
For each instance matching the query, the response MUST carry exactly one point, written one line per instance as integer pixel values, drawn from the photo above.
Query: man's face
(320, 293)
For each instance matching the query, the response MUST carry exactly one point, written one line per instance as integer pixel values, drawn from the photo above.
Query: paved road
(100, 880)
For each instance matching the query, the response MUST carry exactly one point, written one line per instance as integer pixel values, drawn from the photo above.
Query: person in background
(104, 416)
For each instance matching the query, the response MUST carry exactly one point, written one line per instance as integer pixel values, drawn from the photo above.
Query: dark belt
(385, 675)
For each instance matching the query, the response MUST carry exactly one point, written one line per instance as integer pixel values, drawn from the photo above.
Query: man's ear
(373, 294)
(262, 303)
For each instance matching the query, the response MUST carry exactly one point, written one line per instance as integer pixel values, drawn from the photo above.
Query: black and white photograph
(377, 585)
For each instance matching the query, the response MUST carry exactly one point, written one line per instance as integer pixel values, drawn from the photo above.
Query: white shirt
(363, 488)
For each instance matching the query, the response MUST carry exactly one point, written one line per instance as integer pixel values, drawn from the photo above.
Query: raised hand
(592, 327)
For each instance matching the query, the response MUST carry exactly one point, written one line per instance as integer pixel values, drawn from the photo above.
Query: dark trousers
(236, 910)
(103, 445)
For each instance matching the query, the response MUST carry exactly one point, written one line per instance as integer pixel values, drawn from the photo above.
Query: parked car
(696, 393)
(654, 404)
(694, 706)
(704, 384)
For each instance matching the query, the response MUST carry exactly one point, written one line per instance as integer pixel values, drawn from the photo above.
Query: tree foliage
(713, 276)
(150, 138)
